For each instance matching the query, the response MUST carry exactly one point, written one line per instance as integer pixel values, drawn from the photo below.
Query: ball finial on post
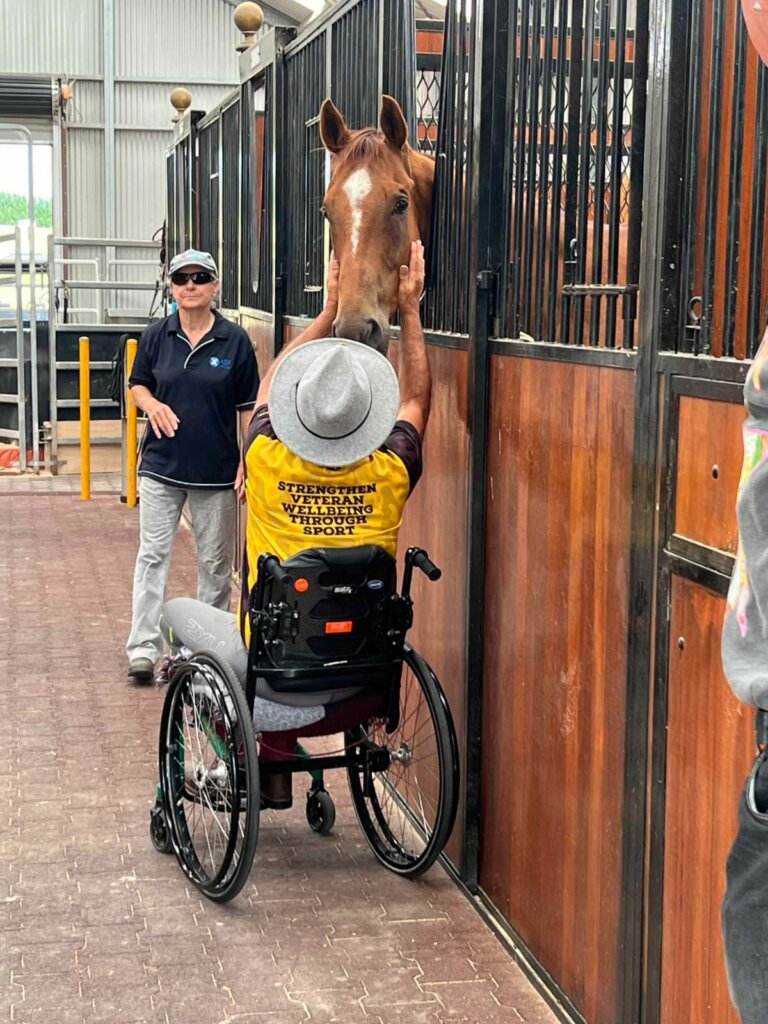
(249, 18)
(180, 101)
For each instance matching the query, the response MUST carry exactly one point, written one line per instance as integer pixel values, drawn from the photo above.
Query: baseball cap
(193, 258)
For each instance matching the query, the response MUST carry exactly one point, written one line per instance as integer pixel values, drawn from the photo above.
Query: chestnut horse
(378, 201)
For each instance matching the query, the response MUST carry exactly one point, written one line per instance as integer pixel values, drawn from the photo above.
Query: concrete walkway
(97, 927)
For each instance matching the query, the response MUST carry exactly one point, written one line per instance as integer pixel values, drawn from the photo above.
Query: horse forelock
(366, 144)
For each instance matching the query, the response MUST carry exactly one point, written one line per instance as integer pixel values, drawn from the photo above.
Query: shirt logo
(225, 364)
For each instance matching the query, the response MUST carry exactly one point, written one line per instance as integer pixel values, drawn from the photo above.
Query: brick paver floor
(97, 927)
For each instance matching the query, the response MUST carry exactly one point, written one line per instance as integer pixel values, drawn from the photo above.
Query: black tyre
(209, 773)
(407, 806)
(159, 832)
(321, 811)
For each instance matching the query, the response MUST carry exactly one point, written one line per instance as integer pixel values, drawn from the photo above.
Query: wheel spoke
(211, 806)
(409, 811)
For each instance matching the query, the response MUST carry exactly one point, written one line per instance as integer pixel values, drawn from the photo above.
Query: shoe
(141, 670)
(165, 668)
(277, 791)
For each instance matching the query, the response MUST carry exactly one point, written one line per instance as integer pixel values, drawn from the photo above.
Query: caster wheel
(321, 811)
(159, 832)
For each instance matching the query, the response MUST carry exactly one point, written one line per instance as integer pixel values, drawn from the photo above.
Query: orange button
(301, 585)
(338, 627)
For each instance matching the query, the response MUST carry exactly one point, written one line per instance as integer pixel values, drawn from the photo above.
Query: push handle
(271, 564)
(422, 561)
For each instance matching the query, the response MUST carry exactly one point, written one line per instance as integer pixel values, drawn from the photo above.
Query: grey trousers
(745, 906)
(198, 627)
(213, 524)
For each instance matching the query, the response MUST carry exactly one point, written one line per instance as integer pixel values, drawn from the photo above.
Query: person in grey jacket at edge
(745, 661)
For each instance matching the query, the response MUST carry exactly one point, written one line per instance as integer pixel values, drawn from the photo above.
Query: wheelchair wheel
(321, 811)
(209, 773)
(406, 795)
(159, 832)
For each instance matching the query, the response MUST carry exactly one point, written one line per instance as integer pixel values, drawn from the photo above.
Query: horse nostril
(375, 334)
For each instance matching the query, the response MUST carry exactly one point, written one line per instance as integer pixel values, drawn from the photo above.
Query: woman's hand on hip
(240, 483)
(162, 419)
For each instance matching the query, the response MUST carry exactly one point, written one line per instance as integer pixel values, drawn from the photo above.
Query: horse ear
(333, 130)
(392, 122)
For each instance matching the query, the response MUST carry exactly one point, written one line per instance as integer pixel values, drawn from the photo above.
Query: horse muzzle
(368, 330)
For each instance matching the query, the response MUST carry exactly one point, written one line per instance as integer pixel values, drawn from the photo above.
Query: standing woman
(195, 373)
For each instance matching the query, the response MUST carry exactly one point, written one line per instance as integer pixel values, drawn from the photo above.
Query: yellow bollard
(85, 419)
(131, 414)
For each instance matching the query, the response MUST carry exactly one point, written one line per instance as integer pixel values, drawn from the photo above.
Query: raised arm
(413, 368)
(321, 327)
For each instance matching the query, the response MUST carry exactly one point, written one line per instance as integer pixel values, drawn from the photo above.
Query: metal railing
(102, 282)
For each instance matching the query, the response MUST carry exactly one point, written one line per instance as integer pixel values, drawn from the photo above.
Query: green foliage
(14, 208)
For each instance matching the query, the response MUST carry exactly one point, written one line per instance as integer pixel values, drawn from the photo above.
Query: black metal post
(666, 36)
(488, 248)
(280, 195)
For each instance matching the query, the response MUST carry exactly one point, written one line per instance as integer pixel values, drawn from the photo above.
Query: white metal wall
(157, 45)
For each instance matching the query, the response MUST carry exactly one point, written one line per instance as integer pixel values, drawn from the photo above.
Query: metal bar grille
(171, 229)
(229, 183)
(447, 301)
(355, 52)
(183, 196)
(574, 105)
(208, 190)
(305, 163)
(721, 293)
(258, 189)
(429, 48)
(398, 43)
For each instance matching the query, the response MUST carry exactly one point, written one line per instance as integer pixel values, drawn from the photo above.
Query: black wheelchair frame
(207, 719)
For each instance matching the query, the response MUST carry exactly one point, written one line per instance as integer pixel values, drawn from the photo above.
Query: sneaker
(141, 670)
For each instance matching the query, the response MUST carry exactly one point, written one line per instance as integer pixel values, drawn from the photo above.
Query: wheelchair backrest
(328, 609)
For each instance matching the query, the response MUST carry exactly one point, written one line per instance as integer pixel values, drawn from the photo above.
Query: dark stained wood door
(710, 748)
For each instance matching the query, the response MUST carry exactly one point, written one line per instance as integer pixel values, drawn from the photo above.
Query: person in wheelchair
(332, 453)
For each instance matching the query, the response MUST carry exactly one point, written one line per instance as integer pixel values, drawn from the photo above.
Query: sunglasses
(196, 277)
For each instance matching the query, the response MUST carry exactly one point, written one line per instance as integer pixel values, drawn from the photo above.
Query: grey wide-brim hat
(332, 401)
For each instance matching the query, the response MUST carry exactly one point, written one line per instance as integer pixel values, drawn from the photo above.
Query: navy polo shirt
(205, 386)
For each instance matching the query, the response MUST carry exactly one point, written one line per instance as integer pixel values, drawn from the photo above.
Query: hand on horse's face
(411, 281)
(332, 284)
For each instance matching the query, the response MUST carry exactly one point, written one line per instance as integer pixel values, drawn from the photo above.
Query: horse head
(378, 201)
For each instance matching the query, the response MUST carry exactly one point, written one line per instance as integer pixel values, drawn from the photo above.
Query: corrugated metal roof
(50, 37)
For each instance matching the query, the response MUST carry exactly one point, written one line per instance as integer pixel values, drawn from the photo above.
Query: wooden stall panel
(436, 519)
(708, 469)
(559, 497)
(261, 332)
(710, 747)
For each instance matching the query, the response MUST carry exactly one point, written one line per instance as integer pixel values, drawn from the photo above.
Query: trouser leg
(213, 520)
(745, 913)
(159, 512)
(198, 626)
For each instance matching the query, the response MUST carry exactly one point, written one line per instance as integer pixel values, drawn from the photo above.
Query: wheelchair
(327, 623)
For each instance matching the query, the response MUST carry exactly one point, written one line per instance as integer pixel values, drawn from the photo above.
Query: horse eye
(401, 205)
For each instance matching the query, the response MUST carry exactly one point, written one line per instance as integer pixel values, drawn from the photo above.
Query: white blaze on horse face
(357, 186)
